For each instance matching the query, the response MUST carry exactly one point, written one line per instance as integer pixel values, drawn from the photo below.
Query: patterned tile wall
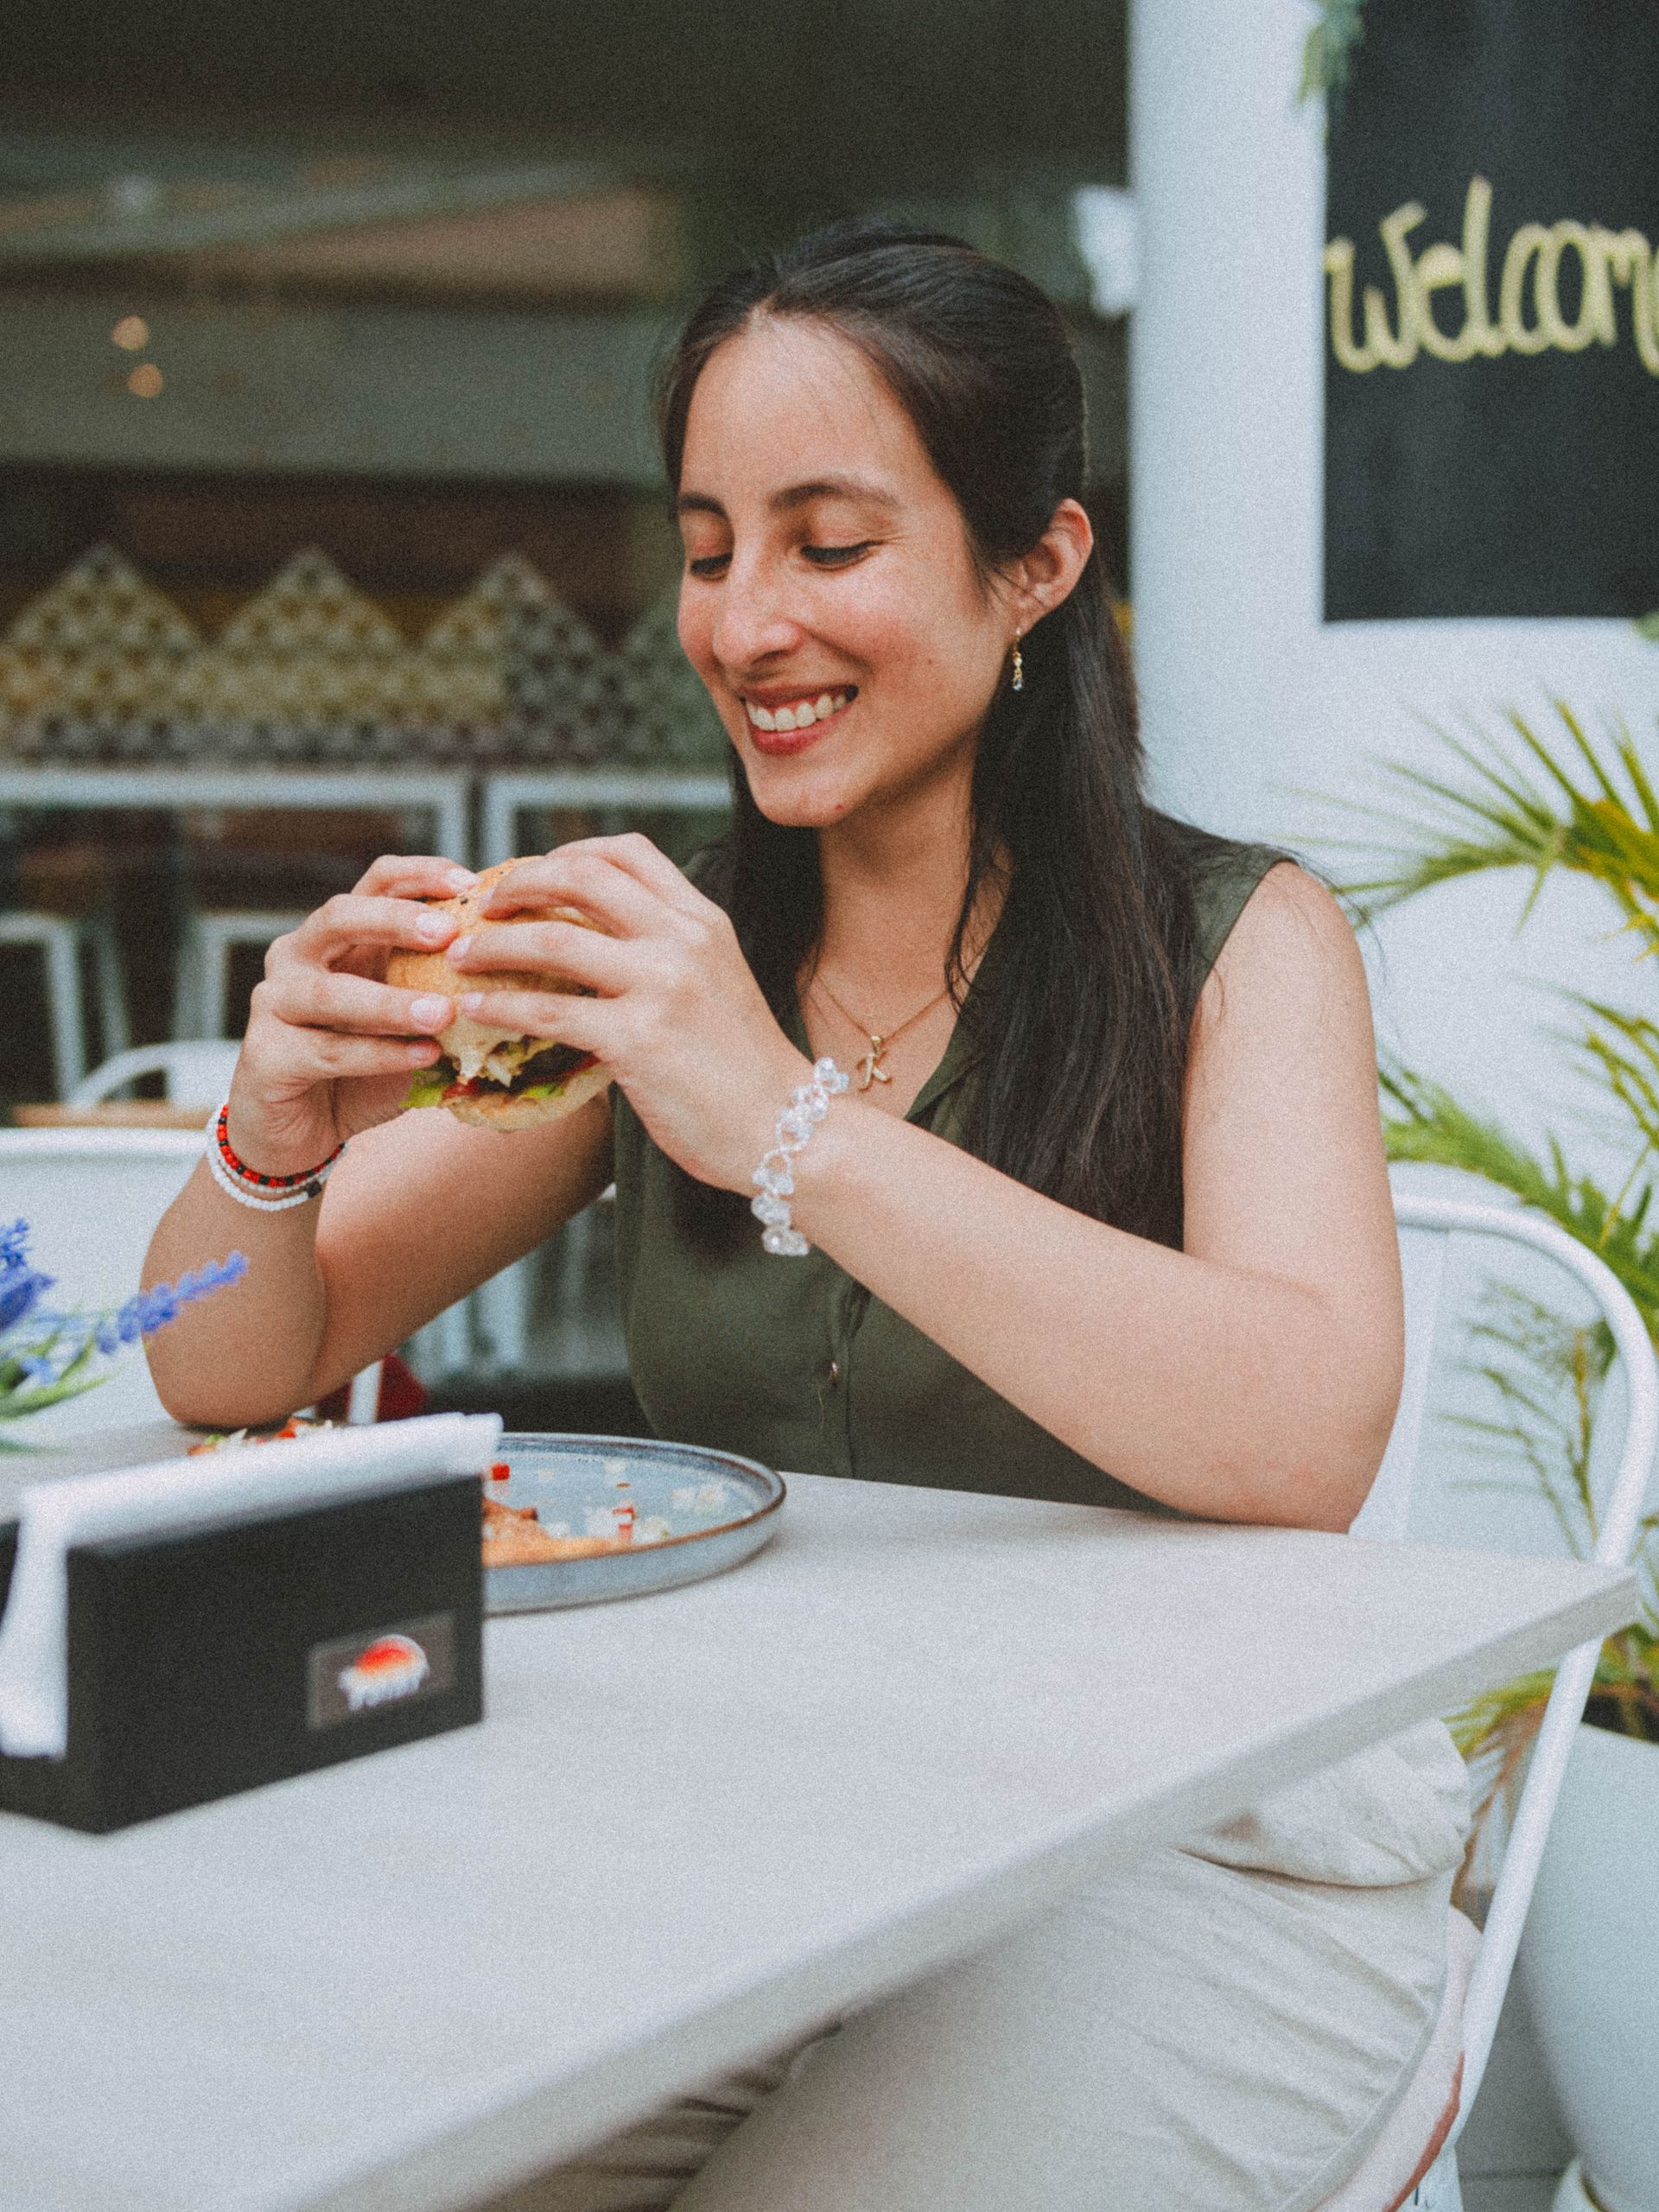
(103, 668)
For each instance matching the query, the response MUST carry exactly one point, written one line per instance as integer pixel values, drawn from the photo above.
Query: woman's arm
(418, 1211)
(1251, 1376)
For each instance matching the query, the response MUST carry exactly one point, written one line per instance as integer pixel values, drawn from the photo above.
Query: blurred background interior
(325, 457)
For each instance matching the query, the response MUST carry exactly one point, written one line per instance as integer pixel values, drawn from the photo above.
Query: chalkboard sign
(1492, 312)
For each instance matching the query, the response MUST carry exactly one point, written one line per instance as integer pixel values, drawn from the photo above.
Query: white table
(693, 1826)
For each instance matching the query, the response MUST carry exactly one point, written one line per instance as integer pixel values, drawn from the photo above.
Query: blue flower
(19, 1292)
(55, 1343)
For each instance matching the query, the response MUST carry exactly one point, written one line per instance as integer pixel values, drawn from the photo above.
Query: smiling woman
(1104, 1218)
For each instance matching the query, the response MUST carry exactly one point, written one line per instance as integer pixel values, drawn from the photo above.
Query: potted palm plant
(1591, 1954)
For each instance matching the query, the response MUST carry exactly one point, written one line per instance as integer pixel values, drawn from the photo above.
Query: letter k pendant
(870, 1069)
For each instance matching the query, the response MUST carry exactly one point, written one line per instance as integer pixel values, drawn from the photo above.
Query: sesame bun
(469, 1044)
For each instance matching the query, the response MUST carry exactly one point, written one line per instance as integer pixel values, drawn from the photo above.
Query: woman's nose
(754, 619)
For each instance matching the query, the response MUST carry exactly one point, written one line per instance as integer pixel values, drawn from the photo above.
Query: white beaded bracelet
(262, 1193)
(808, 1104)
(260, 1203)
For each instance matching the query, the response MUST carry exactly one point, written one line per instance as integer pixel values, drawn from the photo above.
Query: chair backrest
(196, 1073)
(92, 1199)
(1465, 1205)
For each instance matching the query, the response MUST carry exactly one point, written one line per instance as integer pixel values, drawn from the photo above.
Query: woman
(1103, 1216)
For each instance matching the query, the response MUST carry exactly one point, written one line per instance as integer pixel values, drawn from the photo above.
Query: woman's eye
(835, 556)
(707, 564)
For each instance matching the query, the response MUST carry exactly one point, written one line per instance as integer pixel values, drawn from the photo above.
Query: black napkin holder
(216, 1657)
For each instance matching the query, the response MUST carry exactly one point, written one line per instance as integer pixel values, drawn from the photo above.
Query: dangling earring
(1019, 683)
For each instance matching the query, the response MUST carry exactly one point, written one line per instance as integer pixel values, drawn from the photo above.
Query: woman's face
(830, 601)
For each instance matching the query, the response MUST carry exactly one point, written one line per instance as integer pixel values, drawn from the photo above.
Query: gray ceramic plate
(691, 1510)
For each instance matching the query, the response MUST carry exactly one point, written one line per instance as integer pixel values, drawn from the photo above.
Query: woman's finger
(352, 919)
(306, 996)
(558, 1017)
(562, 949)
(635, 854)
(302, 1057)
(620, 902)
(420, 875)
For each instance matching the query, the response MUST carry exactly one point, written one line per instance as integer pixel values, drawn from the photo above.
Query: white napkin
(317, 1469)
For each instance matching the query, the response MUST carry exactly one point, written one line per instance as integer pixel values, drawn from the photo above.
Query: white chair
(92, 1199)
(202, 989)
(1464, 1204)
(60, 942)
(193, 1074)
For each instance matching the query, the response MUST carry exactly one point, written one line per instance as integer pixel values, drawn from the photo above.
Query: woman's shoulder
(1224, 873)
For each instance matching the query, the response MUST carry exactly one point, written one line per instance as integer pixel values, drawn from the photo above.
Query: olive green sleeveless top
(794, 1363)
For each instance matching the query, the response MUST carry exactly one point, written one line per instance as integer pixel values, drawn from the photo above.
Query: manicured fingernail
(421, 1056)
(434, 928)
(470, 1002)
(429, 1012)
(460, 879)
(461, 947)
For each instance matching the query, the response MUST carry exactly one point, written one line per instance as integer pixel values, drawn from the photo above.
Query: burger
(499, 1079)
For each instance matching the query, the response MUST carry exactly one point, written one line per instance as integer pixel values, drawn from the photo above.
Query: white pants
(1188, 2038)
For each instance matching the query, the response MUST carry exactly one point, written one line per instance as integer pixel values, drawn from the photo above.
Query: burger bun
(468, 1042)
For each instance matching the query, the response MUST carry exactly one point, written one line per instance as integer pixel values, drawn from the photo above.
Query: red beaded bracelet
(246, 1184)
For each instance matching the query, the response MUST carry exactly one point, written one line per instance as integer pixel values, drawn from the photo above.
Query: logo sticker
(358, 1675)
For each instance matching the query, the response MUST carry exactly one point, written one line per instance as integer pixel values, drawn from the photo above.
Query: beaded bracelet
(264, 1193)
(808, 1104)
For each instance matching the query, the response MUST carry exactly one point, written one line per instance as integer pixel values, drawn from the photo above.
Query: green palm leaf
(1589, 814)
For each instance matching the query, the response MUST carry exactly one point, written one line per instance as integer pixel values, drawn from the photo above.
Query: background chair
(201, 1000)
(193, 1074)
(92, 1199)
(59, 941)
(1428, 1219)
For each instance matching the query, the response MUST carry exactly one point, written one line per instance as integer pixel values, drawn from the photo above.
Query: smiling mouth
(803, 713)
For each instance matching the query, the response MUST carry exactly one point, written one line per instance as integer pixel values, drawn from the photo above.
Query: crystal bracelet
(264, 1194)
(808, 1104)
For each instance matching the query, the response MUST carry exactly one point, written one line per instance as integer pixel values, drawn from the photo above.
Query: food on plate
(514, 1537)
(295, 1425)
(497, 1078)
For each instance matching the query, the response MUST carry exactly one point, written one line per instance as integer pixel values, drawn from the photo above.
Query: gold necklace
(869, 1067)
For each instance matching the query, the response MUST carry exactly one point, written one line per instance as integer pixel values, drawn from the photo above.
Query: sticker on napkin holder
(356, 1674)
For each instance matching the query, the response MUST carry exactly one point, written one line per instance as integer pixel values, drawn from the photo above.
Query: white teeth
(801, 715)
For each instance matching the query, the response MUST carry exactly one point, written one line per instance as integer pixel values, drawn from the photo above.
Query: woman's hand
(677, 1017)
(330, 1046)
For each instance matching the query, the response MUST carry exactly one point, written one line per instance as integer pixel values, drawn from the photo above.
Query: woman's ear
(1050, 570)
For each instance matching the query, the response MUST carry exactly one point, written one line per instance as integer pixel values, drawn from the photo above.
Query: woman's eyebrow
(830, 487)
(794, 495)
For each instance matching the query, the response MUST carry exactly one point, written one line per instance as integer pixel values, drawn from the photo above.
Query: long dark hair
(1081, 1013)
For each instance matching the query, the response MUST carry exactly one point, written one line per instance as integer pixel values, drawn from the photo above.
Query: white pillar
(1250, 701)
